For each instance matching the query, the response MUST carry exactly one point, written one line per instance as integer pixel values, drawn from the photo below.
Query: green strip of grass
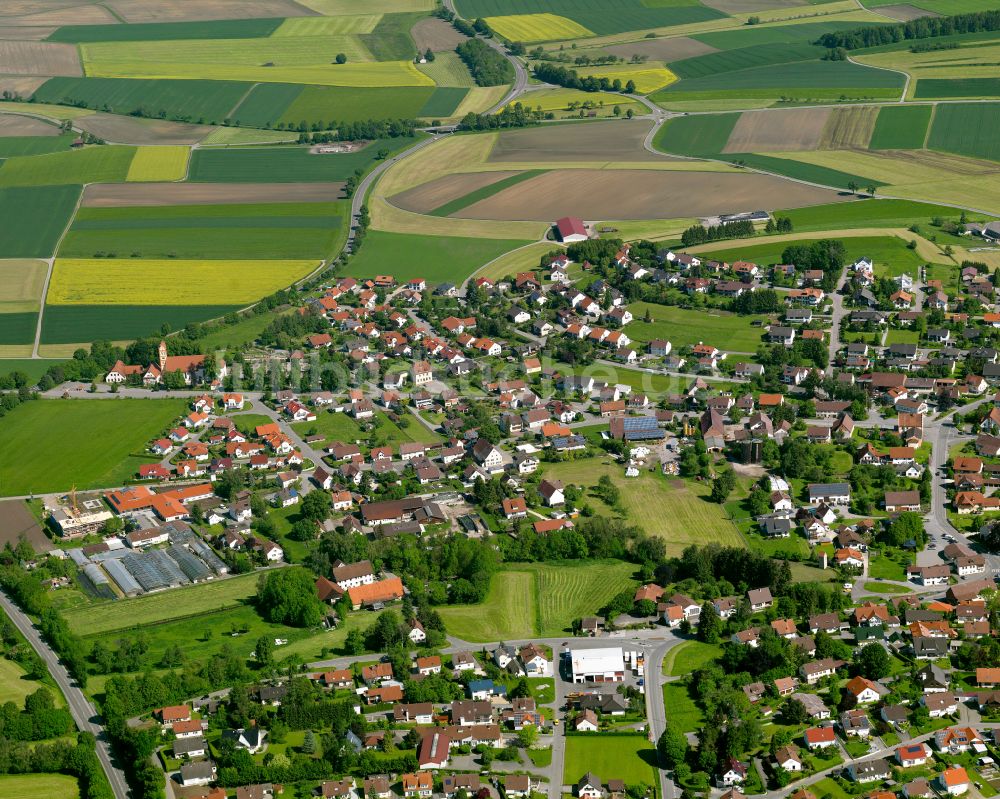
(167, 31)
(698, 135)
(802, 171)
(472, 197)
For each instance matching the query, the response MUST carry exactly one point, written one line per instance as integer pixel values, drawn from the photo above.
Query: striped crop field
(537, 27)
(102, 164)
(126, 281)
(327, 26)
(282, 51)
(161, 164)
(566, 593)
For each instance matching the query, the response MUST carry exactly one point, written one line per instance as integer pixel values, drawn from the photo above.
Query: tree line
(923, 28)
(570, 78)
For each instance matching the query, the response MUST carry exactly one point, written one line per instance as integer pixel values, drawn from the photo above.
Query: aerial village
(826, 631)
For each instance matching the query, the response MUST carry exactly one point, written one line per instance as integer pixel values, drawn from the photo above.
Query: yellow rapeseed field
(161, 164)
(647, 79)
(537, 27)
(135, 281)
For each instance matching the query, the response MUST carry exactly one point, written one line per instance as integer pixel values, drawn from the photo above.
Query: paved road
(836, 316)
(83, 712)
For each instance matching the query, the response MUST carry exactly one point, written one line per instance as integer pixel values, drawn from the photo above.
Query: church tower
(163, 355)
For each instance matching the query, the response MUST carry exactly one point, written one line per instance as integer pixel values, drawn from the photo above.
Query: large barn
(571, 229)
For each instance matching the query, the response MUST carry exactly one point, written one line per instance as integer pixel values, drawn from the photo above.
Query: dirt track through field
(121, 195)
(194, 10)
(16, 125)
(129, 130)
(435, 34)
(642, 194)
(424, 199)
(616, 140)
(778, 131)
(39, 58)
(674, 49)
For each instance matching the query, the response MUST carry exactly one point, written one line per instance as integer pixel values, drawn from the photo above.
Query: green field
(805, 80)
(34, 368)
(631, 758)
(697, 135)
(434, 258)
(684, 327)
(599, 16)
(215, 631)
(328, 103)
(951, 88)
(257, 231)
(743, 58)
(444, 102)
(812, 173)
(538, 599)
(106, 164)
(675, 510)
(163, 606)
(486, 191)
(38, 786)
(68, 324)
(170, 31)
(965, 129)
(207, 101)
(11, 146)
(18, 327)
(749, 36)
(688, 657)
(48, 445)
(391, 40)
(265, 103)
(867, 213)
(34, 218)
(901, 127)
(281, 164)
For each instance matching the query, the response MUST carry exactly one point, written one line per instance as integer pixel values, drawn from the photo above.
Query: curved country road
(83, 712)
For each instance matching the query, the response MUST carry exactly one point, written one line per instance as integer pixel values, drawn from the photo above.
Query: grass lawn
(886, 588)
(162, 606)
(675, 510)
(887, 567)
(683, 327)
(901, 337)
(52, 445)
(689, 656)
(627, 757)
(341, 427)
(535, 599)
(38, 786)
(541, 758)
(829, 787)
(682, 712)
(14, 684)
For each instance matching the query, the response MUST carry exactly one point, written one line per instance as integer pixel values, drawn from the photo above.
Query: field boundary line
(51, 261)
(930, 125)
(113, 13)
